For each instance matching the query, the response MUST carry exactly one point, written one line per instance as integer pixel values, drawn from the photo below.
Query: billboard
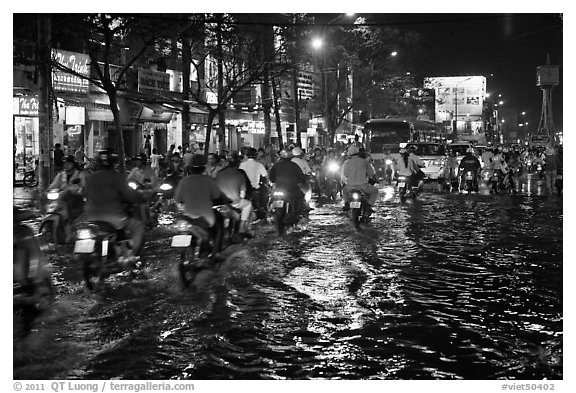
(457, 95)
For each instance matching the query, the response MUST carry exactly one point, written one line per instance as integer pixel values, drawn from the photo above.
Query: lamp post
(319, 43)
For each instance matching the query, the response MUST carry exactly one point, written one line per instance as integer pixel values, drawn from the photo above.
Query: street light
(318, 43)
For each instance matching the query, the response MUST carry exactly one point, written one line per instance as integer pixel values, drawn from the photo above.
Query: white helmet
(297, 151)
(470, 150)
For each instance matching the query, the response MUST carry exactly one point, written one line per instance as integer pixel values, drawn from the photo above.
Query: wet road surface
(445, 287)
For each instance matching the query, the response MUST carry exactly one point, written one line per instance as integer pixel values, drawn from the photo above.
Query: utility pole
(45, 107)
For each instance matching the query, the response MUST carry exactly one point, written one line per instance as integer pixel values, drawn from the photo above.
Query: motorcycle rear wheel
(92, 273)
(186, 270)
(355, 216)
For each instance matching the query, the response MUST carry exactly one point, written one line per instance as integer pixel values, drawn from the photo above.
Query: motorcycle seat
(106, 227)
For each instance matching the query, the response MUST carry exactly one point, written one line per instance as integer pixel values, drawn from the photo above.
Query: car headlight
(165, 187)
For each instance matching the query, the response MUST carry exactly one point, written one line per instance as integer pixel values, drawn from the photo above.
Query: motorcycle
(148, 212)
(498, 182)
(283, 209)
(358, 206)
(332, 181)
(62, 209)
(406, 189)
(540, 170)
(32, 284)
(30, 179)
(198, 248)
(102, 250)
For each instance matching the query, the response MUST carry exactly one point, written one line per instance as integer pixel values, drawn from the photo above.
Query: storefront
(26, 135)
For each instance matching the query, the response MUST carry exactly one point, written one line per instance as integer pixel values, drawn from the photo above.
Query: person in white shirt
(155, 161)
(257, 175)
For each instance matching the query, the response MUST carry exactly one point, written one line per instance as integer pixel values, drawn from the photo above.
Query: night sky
(505, 48)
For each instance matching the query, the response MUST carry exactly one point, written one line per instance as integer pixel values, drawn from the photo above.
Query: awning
(154, 112)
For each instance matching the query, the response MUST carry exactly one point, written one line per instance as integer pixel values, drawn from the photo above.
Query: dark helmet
(71, 159)
(285, 154)
(251, 152)
(106, 159)
(198, 161)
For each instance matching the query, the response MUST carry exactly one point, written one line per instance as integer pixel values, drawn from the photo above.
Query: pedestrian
(58, 158)
(147, 146)
(187, 158)
(79, 156)
(155, 161)
(551, 160)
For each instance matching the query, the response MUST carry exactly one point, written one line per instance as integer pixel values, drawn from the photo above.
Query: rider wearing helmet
(197, 194)
(235, 184)
(287, 174)
(356, 173)
(106, 193)
(297, 154)
(470, 163)
(257, 174)
(141, 173)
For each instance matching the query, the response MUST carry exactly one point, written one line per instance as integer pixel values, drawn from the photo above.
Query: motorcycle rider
(258, 175)
(70, 184)
(415, 163)
(286, 174)
(499, 164)
(404, 169)
(297, 154)
(106, 194)
(197, 194)
(331, 160)
(356, 173)
(142, 173)
(235, 184)
(470, 163)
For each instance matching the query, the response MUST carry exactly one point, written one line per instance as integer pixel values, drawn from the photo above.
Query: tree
(111, 40)
(232, 57)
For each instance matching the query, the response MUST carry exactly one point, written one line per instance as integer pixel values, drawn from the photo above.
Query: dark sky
(505, 48)
(508, 46)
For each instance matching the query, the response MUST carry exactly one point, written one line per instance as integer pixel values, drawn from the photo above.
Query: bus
(383, 138)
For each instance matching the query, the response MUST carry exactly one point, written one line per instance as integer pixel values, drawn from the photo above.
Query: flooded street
(445, 287)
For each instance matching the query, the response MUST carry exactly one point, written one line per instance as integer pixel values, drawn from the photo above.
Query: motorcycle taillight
(355, 196)
(85, 233)
(182, 225)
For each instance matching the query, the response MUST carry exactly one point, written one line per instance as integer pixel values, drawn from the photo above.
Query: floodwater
(445, 287)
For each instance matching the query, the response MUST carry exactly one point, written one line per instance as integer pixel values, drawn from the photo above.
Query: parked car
(434, 157)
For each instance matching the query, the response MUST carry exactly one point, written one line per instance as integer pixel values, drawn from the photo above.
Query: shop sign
(77, 62)
(27, 106)
(153, 81)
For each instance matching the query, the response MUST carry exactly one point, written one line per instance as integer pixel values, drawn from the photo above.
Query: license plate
(355, 205)
(402, 184)
(181, 240)
(85, 246)
(277, 204)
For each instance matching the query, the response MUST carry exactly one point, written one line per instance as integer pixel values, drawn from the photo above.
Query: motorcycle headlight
(165, 187)
(85, 233)
(53, 195)
(278, 194)
(333, 167)
(133, 185)
(388, 162)
(355, 196)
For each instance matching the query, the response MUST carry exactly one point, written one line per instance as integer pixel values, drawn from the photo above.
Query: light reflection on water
(445, 287)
